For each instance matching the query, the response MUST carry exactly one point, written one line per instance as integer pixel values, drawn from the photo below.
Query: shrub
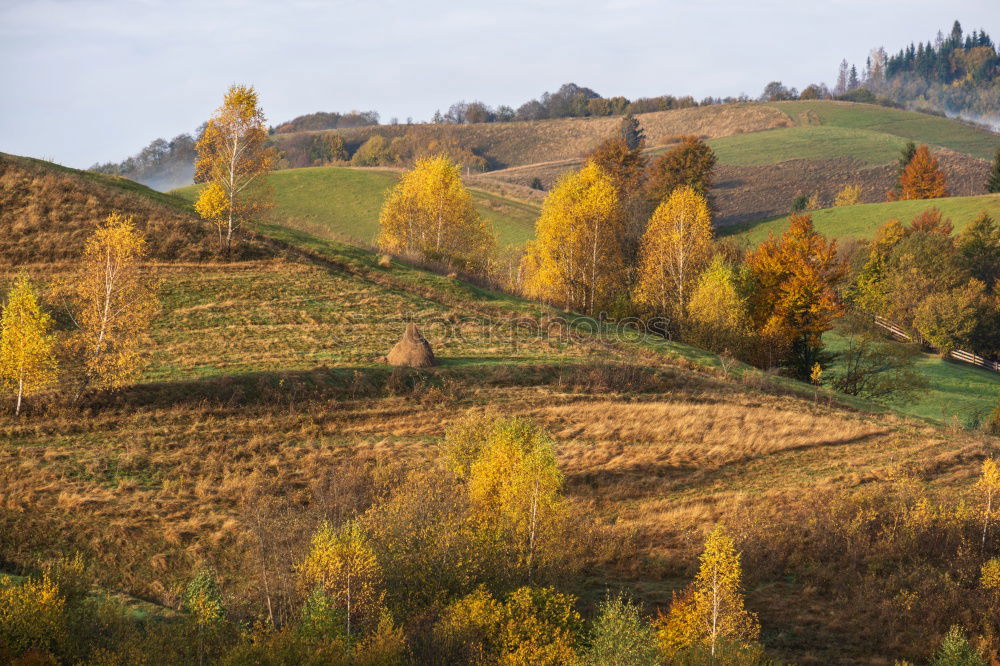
(849, 196)
(620, 636)
(32, 615)
(956, 651)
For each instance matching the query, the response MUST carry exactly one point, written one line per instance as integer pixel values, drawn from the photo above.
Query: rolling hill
(266, 400)
(861, 221)
(343, 203)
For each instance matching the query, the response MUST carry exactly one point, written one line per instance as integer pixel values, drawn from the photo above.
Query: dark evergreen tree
(993, 183)
(631, 132)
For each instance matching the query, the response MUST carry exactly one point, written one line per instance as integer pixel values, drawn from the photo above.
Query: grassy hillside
(958, 394)
(862, 220)
(47, 211)
(918, 127)
(344, 203)
(807, 143)
(267, 410)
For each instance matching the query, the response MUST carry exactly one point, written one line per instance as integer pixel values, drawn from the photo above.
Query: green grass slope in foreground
(861, 221)
(811, 143)
(918, 127)
(344, 203)
(957, 393)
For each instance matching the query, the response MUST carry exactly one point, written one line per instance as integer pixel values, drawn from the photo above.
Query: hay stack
(412, 350)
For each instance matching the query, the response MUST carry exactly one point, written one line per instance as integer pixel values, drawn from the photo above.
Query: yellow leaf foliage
(430, 214)
(515, 487)
(576, 259)
(115, 303)
(675, 249)
(849, 196)
(717, 313)
(32, 614)
(233, 154)
(712, 611)
(27, 356)
(342, 563)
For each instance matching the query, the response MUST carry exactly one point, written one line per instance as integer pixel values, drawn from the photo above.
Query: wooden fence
(957, 354)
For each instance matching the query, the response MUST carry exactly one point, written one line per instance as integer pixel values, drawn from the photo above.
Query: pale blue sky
(95, 80)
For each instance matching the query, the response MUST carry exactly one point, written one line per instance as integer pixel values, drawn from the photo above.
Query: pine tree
(27, 356)
(993, 182)
(922, 178)
(632, 132)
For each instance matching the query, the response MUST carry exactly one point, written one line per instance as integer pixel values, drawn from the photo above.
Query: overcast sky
(87, 81)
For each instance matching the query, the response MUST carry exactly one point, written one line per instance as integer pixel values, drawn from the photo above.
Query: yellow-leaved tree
(711, 615)
(989, 483)
(233, 155)
(576, 258)
(718, 315)
(341, 569)
(430, 214)
(675, 249)
(114, 303)
(515, 487)
(27, 349)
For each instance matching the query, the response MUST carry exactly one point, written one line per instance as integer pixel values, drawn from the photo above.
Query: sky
(88, 81)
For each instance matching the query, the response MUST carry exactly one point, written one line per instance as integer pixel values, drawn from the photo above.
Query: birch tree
(430, 214)
(711, 614)
(114, 304)
(989, 483)
(27, 356)
(675, 249)
(516, 487)
(341, 565)
(576, 260)
(233, 157)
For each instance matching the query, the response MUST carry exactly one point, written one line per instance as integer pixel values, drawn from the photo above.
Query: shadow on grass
(282, 389)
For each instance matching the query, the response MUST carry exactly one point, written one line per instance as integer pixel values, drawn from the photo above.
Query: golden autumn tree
(430, 214)
(718, 318)
(114, 303)
(233, 155)
(989, 484)
(794, 300)
(675, 249)
(576, 258)
(341, 565)
(515, 486)
(922, 178)
(711, 614)
(27, 349)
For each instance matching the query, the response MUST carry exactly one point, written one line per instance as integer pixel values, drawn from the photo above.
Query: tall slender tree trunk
(20, 393)
(986, 520)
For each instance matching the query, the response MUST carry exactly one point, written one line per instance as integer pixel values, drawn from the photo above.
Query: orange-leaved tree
(576, 259)
(794, 300)
(27, 356)
(922, 178)
(690, 163)
(430, 214)
(114, 303)
(675, 249)
(233, 155)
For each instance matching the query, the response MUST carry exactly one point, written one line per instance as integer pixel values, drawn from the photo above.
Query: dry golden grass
(529, 142)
